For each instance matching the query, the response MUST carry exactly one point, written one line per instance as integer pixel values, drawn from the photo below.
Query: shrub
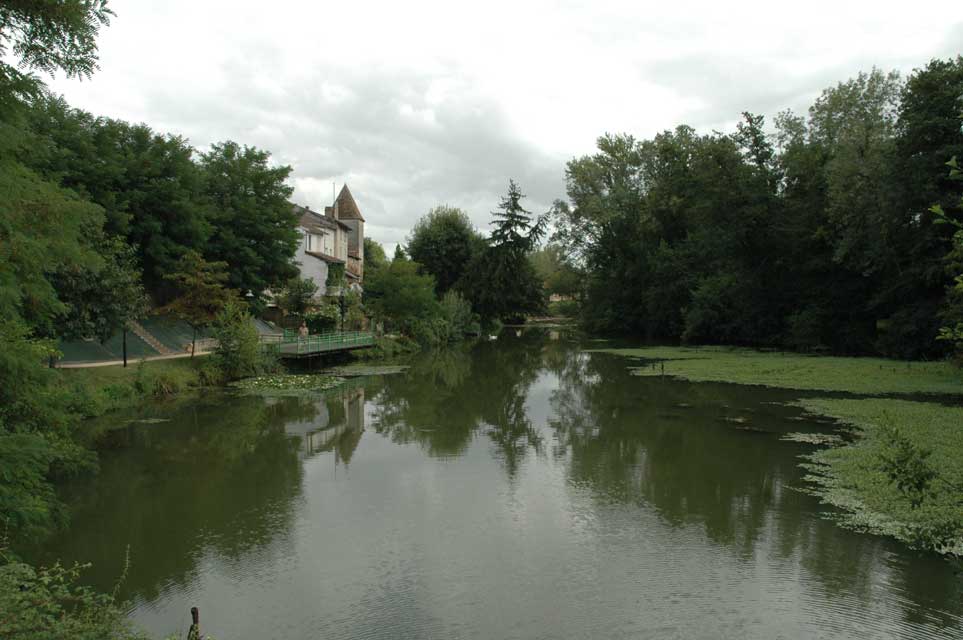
(238, 351)
(458, 317)
(48, 604)
(323, 318)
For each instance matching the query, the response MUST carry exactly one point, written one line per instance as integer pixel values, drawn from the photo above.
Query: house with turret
(332, 241)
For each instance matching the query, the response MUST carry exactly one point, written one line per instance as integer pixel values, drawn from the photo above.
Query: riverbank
(100, 390)
(856, 476)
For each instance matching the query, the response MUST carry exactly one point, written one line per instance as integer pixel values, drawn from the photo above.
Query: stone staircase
(146, 336)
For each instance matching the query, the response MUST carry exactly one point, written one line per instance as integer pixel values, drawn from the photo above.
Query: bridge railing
(291, 342)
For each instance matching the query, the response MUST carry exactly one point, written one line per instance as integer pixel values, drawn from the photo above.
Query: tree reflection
(709, 455)
(448, 396)
(222, 474)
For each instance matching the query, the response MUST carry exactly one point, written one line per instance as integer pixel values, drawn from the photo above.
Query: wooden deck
(291, 345)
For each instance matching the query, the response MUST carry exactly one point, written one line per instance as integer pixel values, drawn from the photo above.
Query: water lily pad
(288, 385)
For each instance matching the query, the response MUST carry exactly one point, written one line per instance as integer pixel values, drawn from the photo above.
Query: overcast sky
(415, 104)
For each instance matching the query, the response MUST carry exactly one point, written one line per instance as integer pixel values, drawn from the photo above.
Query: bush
(48, 604)
(458, 316)
(323, 318)
(238, 351)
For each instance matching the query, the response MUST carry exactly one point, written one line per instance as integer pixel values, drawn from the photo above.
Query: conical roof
(347, 207)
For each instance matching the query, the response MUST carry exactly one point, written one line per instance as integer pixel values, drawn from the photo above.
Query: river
(518, 488)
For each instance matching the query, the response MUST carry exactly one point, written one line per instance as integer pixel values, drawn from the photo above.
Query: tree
(201, 292)
(501, 281)
(298, 296)
(42, 231)
(374, 254)
(149, 185)
(47, 37)
(952, 313)
(254, 227)
(100, 301)
(444, 242)
(515, 230)
(399, 296)
(557, 273)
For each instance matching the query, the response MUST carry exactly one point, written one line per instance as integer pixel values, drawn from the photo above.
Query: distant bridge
(292, 345)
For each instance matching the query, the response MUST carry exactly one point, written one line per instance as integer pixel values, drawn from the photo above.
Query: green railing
(290, 343)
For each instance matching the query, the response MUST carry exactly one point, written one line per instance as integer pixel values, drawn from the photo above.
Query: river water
(518, 488)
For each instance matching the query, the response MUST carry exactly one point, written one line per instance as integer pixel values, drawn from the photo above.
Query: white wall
(311, 267)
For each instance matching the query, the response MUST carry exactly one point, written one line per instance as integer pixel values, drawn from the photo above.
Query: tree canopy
(444, 242)
(812, 236)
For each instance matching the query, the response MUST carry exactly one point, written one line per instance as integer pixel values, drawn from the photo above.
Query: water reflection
(512, 488)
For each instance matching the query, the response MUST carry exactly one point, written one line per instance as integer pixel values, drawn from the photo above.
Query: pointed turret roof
(347, 207)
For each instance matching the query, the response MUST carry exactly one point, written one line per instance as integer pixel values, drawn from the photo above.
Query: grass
(103, 389)
(873, 376)
(851, 477)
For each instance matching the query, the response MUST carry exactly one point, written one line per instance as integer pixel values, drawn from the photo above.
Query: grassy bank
(872, 376)
(853, 479)
(855, 476)
(103, 389)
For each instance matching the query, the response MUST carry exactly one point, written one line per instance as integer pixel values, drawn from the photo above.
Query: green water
(520, 488)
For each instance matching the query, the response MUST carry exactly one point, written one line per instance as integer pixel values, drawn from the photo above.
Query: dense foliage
(814, 237)
(238, 353)
(50, 604)
(443, 243)
(501, 281)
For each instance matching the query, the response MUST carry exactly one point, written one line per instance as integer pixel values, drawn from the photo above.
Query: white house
(335, 237)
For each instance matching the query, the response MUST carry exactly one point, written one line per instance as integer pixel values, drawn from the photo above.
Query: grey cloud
(400, 153)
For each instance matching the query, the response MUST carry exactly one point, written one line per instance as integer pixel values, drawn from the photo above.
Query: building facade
(331, 240)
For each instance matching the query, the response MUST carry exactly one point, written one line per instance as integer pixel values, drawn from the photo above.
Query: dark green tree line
(814, 236)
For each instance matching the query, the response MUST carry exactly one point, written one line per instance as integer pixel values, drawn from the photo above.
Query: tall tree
(42, 230)
(501, 282)
(149, 184)
(254, 227)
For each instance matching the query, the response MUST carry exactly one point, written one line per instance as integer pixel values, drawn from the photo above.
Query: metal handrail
(321, 341)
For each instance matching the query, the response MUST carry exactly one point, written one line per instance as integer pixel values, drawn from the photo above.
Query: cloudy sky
(415, 104)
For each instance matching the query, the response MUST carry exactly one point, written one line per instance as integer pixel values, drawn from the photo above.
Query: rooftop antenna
(332, 193)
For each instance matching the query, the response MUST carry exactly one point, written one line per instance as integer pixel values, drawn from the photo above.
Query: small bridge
(292, 345)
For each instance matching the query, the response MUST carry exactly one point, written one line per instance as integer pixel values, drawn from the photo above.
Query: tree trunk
(193, 340)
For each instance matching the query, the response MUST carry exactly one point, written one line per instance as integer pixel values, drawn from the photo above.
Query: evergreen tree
(501, 282)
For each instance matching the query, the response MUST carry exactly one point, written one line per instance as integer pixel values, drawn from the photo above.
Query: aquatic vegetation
(288, 384)
(813, 438)
(857, 480)
(796, 371)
